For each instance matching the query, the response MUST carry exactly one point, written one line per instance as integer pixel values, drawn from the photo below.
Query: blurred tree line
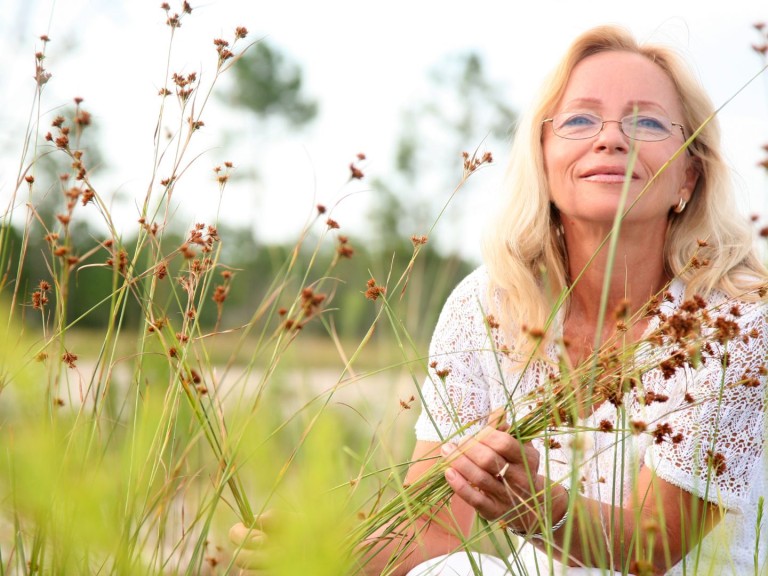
(465, 109)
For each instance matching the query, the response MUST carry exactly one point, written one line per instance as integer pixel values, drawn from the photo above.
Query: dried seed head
(220, 294)
(345, 251)
(442, 373)
(716, 461)
(637, 426)
(374, 291)
(83, 118)
(605, 426)
(69, 359)
(535, 333)
(355, 172)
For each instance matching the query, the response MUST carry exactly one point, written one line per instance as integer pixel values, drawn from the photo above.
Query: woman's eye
(650, 123)
(579, 120)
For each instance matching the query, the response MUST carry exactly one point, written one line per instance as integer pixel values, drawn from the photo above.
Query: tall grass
(139, 422)
(132, 449)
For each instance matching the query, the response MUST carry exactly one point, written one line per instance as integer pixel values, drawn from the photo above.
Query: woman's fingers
(245, 537)
(468, 492)
(250, 553)
(477, 463)
(492, 471)
(254, 561)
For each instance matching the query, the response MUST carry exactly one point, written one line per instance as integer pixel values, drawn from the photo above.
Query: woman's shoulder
(477, 280)
(469, 298)
(472, 289)
(724, 314)
(747, 307)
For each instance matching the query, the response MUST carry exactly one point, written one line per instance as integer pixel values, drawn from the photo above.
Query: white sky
(364, 62)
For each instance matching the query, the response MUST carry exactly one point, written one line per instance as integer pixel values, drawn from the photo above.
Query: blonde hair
(522, 250)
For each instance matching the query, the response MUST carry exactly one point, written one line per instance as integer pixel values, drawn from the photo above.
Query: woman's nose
(612, 137)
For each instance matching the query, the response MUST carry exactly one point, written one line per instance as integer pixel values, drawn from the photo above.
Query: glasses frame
(621, 127)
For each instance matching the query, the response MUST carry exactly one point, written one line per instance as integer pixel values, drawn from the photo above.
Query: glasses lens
(576, 125)
(646, 128)
(581, 125)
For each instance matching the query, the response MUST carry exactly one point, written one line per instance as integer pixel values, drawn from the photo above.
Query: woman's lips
(605, 178)
(607, 175)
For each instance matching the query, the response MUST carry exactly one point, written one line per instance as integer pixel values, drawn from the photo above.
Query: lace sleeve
(455, 393)
(721, 421)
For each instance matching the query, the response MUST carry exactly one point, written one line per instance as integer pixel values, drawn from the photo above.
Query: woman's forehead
(625, 79)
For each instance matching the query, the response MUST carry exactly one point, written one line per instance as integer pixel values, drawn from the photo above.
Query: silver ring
(503, 471)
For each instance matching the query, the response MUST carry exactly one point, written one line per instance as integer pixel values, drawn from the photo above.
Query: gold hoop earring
(678, 209)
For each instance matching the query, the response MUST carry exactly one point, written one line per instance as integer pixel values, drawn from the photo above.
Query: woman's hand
(496, 475)
(251, 544)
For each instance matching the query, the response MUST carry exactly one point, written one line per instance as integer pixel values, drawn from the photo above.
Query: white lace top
(718, 430)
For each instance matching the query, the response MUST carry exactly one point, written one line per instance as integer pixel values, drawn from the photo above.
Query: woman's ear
(692, 173)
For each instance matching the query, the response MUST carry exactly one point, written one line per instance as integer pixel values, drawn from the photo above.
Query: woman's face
(586, 176)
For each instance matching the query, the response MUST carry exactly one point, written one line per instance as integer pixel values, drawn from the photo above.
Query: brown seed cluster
(761, 47)
(605, 426)
(202, 236)
(406, 404)
(174, 19)
(69, 359)
(355, 173)
(374, 290)
(222, 174)
(185, 85)
(311, 303)
(716, 461)
(344, 250)
(473, 162)
(119, 261)
(40, 296)
(441, 373)
(664, 432)
(41, 74)
(223, 46)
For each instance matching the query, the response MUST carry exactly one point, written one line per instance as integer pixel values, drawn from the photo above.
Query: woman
(663, 473)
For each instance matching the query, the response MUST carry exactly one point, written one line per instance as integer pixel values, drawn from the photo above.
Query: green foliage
(268, 84)
(464, 111)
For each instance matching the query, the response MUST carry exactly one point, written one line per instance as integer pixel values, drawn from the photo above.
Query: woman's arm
(662, 525)
(435, 535)
(659, 525)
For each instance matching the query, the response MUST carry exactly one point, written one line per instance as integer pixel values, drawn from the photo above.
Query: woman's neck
(636, 273)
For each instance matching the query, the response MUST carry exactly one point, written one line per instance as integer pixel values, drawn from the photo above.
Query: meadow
(143, 413)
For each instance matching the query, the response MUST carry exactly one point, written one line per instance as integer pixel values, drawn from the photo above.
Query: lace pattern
(718, 453)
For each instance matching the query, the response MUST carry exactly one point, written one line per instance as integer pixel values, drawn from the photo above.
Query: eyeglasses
(581, 125)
